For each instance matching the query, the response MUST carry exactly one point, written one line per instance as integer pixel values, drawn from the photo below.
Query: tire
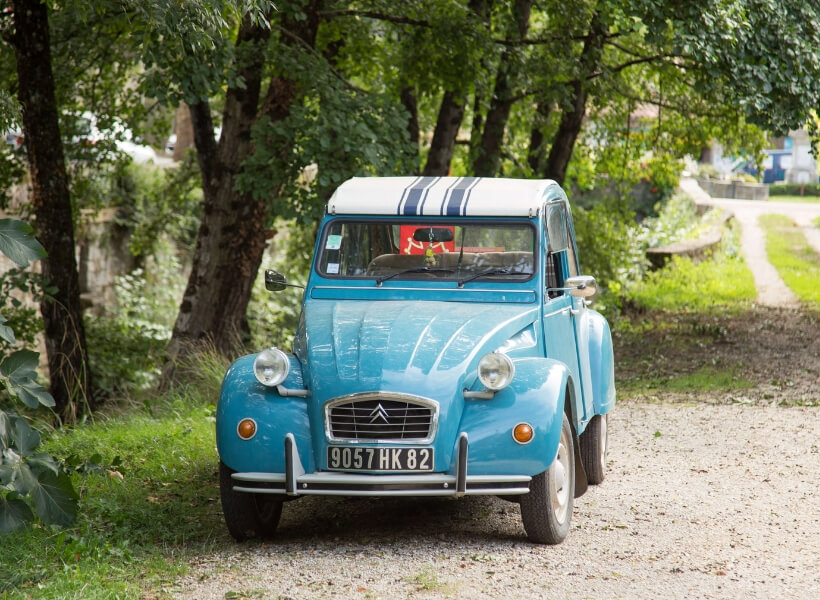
(547, 510)
(594, 445)
(247, 515)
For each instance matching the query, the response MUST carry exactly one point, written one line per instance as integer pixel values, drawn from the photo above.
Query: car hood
(422, 348)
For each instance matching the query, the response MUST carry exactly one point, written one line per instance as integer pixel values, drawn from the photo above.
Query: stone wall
(735, 189)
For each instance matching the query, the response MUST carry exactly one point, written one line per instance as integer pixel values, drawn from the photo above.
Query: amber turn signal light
(246, 429)
(523, 433)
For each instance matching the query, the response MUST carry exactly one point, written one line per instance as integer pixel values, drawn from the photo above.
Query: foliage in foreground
(148, 497)
(795, 260)
(28, 479)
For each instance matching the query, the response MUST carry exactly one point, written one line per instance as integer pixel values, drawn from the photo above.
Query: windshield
(459, 251)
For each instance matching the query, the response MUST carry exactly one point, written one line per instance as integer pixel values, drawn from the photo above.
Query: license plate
(345, 458)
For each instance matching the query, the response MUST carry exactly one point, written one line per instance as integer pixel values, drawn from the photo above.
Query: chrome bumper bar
(296, 482)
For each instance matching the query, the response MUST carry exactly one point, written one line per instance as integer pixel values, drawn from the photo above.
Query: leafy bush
(127, 348)
(723, 280)
(22, 317)
(610, 249)
(794, 189)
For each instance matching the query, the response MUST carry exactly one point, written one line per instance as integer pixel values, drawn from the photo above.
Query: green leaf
(55, 500)
(6, 332)
(23, 438)
(21, 364)
(14, 513)
(24, 481)
(18, 244)
(41, 461)
(19, 367)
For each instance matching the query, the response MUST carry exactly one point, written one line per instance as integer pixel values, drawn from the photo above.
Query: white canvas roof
(445, 196)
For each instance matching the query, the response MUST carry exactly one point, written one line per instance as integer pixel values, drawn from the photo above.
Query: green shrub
(794, 189)
(127, 347)
(722, 281)
(610, 249)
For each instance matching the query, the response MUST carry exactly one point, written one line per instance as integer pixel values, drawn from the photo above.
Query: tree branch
(632, 63)
(316, 54)
(367, 14)
(550, 39)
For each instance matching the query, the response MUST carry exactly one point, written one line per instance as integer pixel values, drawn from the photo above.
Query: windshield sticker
(334, 242)
(332, 268)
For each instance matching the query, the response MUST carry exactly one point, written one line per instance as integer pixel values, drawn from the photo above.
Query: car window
(441, 250)
(556, 228)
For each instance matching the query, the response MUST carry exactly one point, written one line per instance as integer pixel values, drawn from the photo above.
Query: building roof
(444, 196)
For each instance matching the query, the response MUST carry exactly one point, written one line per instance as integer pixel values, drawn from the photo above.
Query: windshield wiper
(384, 278)
(491, 272)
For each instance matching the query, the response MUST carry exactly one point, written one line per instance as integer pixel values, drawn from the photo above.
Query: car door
(559, 306)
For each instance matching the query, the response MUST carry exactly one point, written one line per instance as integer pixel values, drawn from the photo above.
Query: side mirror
(581, 286)
(274, 281)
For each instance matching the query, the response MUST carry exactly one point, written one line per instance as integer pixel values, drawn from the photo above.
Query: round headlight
(495, 371)
(271, 367)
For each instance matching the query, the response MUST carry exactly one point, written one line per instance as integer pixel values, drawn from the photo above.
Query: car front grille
(381, 417)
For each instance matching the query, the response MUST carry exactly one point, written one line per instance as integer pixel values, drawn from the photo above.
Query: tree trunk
(488, 155)
(64, 330)
(183, 130)
(232, 235)
(408, 100)
(537, 151)
(450, 115)
(572, 119)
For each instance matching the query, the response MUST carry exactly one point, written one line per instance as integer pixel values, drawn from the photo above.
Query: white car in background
(86, 131)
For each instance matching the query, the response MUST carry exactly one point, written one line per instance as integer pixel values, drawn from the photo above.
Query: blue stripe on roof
(459, 196)
(404, 194)
(416, 195)
(447, 193)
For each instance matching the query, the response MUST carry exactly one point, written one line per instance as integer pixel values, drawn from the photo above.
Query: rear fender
(601, 363)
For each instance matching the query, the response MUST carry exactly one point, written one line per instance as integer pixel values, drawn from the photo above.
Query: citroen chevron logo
(379, 413)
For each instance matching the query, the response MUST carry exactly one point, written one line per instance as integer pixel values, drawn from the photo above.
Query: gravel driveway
(701, 501)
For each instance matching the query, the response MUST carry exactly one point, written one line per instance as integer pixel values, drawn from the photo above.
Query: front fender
(242, 396)
(535, 396)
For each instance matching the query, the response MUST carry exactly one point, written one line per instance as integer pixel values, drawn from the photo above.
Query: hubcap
(560, 479)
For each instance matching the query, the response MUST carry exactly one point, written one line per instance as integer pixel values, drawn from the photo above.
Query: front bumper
(296, 482)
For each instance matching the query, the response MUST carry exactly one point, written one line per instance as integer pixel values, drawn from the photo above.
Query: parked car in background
(445, 348)
(84, 130)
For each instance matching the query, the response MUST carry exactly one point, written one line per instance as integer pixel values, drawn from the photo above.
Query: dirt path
(701, 501)
(771, 289)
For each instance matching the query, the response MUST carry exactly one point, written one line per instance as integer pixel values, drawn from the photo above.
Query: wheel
(547, 510)
(593, 449)
(247, 515)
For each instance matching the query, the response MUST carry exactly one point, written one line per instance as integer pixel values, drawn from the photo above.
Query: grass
(705, 379)
(722, 281)
(795, 260)
(149, 501)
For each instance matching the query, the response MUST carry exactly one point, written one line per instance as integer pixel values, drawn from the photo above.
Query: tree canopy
(289, 99)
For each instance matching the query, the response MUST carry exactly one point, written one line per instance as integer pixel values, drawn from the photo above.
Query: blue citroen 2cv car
(445, 348)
